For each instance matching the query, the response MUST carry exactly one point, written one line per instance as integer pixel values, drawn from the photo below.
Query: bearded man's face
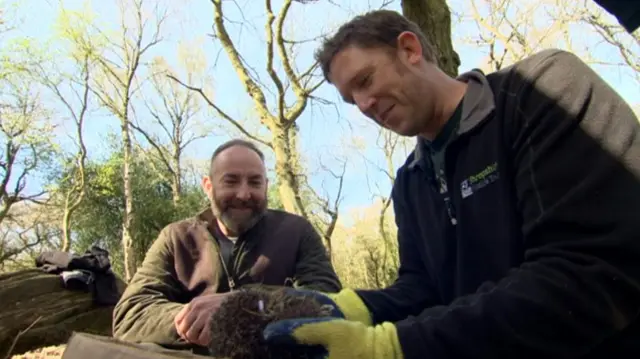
(238, 189)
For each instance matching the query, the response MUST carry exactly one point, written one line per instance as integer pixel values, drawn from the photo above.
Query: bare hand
(193, 321)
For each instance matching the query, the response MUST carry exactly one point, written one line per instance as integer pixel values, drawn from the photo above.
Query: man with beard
(196, 263)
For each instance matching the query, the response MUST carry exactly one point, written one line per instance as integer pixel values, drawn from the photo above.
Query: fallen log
(37, 311)
(83, 345)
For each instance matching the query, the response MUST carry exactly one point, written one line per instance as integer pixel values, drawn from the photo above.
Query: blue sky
(326, 131)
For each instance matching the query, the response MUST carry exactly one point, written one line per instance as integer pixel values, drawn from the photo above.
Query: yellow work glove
(346, 303)
(340, 338)
(351, 306)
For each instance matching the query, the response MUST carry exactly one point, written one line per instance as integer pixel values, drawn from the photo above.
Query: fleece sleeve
(313, 269)
(413, 290)
(576, 156)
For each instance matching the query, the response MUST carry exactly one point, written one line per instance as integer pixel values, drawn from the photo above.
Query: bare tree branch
(610, 33)
(20, 334)
(330, 209)
(115, 89)
(75, 195)
(254, 91)
(222, 114)
(179, 107)
(25, 134)
(276, 80)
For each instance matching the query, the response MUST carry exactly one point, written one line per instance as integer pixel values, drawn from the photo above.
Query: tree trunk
(66, 230)
(37, 299)
(434, 18)
(175, 191)
(128, 251)
(176, 156)
(176, 185)
(287, 170)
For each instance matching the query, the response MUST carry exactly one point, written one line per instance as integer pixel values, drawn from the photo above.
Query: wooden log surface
(83, 346)
(37, 311)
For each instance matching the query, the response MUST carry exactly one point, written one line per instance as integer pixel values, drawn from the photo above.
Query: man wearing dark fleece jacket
(518, 212)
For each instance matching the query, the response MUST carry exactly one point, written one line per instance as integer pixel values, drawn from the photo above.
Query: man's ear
(409, 47)
(206, 186)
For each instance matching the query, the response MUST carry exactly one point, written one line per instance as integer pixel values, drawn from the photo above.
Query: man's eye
(365, 81)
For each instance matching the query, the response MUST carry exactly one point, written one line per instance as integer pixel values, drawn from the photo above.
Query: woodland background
(110, 110)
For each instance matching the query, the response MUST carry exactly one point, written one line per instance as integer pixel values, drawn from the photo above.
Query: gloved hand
(342, 339)
(347, 302)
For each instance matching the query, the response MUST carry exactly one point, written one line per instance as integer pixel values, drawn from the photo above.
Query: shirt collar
(478, 102)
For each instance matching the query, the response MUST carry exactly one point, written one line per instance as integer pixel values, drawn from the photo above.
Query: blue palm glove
(340, 338)
(346, 304)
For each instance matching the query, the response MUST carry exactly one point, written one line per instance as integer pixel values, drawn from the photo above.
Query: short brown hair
(379, 28)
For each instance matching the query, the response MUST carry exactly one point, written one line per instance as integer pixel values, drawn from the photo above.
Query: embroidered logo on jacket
(476, 182)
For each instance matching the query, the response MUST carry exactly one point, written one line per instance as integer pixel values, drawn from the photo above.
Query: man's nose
(243, 193)
(365, 103)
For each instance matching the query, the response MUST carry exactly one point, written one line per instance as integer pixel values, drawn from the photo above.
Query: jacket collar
(206, 215)
(477, 104)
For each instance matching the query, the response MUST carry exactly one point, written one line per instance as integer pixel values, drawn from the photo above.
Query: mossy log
(83, 345)
(39, 311)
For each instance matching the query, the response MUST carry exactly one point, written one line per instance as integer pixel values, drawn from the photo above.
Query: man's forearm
(413, 290)
(551, 308)
(322, 281)
(314, 269)
(409, 295)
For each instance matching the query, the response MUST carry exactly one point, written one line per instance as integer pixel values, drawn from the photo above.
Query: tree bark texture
(288, 170)
(34, 296)
(130, 264)
(434, 18)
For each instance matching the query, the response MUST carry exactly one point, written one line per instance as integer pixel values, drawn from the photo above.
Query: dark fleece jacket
(543, 260)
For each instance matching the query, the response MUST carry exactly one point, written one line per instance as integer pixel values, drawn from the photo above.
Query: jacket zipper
(235, 262)
(231, 282)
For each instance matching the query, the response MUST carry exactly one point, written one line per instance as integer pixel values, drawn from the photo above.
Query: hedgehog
(237, 326)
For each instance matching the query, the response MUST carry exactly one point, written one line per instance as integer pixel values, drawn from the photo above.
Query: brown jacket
(184, 262)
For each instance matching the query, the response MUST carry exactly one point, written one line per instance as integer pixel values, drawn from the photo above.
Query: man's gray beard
(239, 228)
(233, 226)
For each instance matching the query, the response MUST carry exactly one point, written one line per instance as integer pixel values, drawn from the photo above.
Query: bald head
(235, 143)
(237, 160)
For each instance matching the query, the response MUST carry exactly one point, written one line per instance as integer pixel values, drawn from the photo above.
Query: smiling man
(196, 263)
(517, 212)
